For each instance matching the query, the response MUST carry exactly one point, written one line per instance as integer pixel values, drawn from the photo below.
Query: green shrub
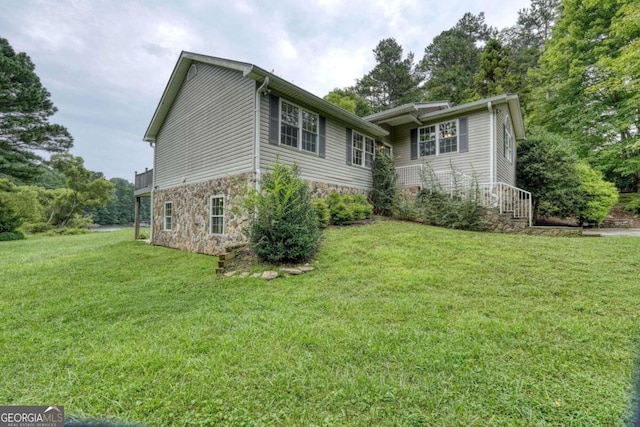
(11, 235)
(384, 194)
(285, 225)
(322, 212)
(36, 227)
(67, 231)
(346, 208)
(599, 195)
(633, 205)
(438, 208)
(406, 208)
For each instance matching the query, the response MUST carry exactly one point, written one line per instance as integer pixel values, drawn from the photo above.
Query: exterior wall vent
(193, 71)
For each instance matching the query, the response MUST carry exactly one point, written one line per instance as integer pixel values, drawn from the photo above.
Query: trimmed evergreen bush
(346, 208)
(322, 211)
(285, 225)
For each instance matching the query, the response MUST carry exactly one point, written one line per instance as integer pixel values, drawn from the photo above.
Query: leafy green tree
(586, 86)
(349, 100)
(10, 219)
(82, 189)
(120, 208)
(547, 168)
(25, 109)
(393, 81)
(599, 195)
(497, 73)
(452, 59)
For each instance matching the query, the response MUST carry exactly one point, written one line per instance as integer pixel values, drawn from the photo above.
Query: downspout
(152, 144)
(256, 150)
(492, 147)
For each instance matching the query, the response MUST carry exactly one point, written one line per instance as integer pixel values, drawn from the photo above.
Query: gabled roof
(254, 72)
(511, 99)
(406, 113)
(419, 113)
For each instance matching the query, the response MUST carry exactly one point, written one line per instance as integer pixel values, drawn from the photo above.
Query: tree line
(576, 68)
(38, 194)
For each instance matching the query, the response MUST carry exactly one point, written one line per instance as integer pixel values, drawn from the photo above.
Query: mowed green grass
(399, 325)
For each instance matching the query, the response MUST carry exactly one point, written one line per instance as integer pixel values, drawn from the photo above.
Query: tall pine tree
(25, 109)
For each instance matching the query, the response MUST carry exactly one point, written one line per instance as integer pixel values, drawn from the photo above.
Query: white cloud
(106, 62)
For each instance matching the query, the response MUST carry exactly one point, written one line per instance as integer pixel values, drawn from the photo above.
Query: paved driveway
(611, 232)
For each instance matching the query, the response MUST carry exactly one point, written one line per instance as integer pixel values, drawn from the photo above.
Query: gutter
(256, 150)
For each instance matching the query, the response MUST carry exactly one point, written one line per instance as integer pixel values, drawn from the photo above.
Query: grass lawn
(399, 325)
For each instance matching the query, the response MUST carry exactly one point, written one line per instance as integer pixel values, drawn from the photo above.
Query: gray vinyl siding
(505, 169)
(332, 169)
(475, 162)
(208, 132)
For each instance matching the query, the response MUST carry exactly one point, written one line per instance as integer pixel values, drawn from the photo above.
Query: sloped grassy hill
(399, 324)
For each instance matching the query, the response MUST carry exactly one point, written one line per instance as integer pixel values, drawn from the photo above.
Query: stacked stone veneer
(191, 212)
(191, 215)
(322, 190)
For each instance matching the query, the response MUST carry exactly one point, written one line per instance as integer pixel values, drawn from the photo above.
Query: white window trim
(364, 149)
(165, 216)
(300, 128)
(507, 143)
(211, 215)
(437, 126)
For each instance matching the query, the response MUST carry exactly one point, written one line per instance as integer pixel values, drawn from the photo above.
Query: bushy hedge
(438, 208)
(285, 225)
(11, 235)
(346, 208)
(322, 212)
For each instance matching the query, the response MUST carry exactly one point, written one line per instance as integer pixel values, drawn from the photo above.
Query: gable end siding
(208, 132)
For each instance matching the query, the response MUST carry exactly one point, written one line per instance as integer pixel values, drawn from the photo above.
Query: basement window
(217, 215)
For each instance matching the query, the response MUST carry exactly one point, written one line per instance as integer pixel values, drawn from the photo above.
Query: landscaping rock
(230, 273)
(293, 271)
(256, 275)
(244, 275)
(269, 275)
(305, 268)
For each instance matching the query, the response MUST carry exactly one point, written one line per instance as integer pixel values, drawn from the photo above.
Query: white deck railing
(505, 197)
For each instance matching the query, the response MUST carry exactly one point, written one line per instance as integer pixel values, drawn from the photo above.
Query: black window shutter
(274, 119)
(463, 135)
(322, 139)
(414, 144)
(349, 146)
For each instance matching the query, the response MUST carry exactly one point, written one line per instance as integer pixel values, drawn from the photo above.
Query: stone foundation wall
(322, 190)
(191, 215)
(503, 223)
(554, 231)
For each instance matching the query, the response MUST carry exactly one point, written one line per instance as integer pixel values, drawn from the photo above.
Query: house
(221, 123)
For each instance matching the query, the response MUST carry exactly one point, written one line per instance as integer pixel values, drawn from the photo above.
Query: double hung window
(298, 127)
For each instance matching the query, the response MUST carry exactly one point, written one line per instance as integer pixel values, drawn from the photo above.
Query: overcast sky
(106, 63)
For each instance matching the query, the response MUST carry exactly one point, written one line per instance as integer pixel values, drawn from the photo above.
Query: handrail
(505, 197)
(144, 179)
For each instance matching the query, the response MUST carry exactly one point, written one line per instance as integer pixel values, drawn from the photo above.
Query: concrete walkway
(612, 232)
